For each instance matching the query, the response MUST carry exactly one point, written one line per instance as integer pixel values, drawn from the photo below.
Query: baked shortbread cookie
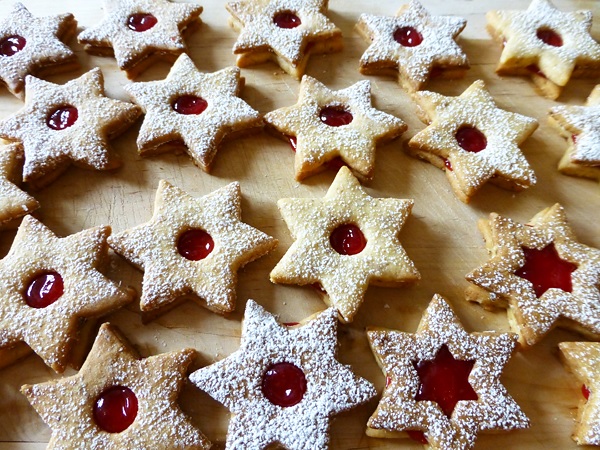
(14, 203)
(118, 401)
(443, 384)
(192, 111)
(192, 246)
(549, 45)
(330, 127)
(473, 140)
(414, 45)
(286, 31)
(32, 45)
(540, 273)
(344, 242)
(140, 32)
(284, 383)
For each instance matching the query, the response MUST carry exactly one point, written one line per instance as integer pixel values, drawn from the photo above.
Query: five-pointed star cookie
(343, 242)
(200, 109)
(48, 284)
(118, 401)
(327, 124)
(192, 246)
(414, 44)
(284, 382)
(411, 404)
(140, 32)
(473, 140)
(32, 45)
(287, 31)
(541, 273)
(549, 45)
(14, 202)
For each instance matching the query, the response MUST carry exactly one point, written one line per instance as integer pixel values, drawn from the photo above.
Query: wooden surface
(441, 235)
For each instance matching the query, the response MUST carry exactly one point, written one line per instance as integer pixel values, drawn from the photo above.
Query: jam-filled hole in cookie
(43, 289)
(140, 22)
(189, 105)
(469, 138)
(115, 409)
(284, 384)
(408, 36)
(549, 36)
(286, 19)
(62, 117)
(12, 44)
(195, 244)
(335, 116)
(348, 239)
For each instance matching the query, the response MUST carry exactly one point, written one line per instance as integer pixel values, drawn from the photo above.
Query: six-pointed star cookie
(345, 241)
(118, 401)
(197, 108)
(327, 124)
(14, 202)
(414, 44)
(549, 45)
(473, 140)
(284, 382)
(401, 355)
(48, 284)
(541, 273)
(288, 31)
(139, 32)
(34, 46)
(192, 246)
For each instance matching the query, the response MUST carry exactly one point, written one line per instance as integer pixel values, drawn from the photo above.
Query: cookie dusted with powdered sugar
(14, 203)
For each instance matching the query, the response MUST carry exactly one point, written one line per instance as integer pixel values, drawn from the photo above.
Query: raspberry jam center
(546, 270)
(62, 117)
(284, 384)
(408, 37)
(550, 37)
(471, 139)
(347, 239)
(11, 45)
(115, 409)
(44, 289)
(286, 19)
(141, 22)
(195, 244)
(335, 117)
(189, 104)
(585, 391)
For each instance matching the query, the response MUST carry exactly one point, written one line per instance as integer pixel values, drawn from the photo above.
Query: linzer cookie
(14, 203)
(443, 384)
(414, 45)
(118, 401)
(284, 383)
(331, 128)
(140, 32)
(549, 45)
(286, 31)
(32, 45)
(473, 141)
(192, 246)
(193, 111)
(344, 242)
(540, 273)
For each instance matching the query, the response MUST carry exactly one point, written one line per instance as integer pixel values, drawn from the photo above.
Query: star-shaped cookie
(287, 31)
(343, 242)
(140, 32)
(549, 45)
(48, 284)
(327, 124)
(192, 246)
(14, 203)
(473, 140)
(284, 382)
(118, 401)
(409, 404)
(413, 44)
(198, 109)
(32, 45)
(67, 124)
(540, 273)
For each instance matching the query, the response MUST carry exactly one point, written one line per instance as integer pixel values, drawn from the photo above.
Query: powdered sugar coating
(14, 202)
(236, 382)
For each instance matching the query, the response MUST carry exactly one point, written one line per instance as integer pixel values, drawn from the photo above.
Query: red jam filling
(62, 117)
(286, 19)
(585, 391)
(471, 139)
(319, 288)
(11, 45)
(284, 384)
(189, 104)
(408, 37)
(291, 324)
(44, 289)
(347, 239)
(448, 164)
(550, 37)
(141, 22)
(115, 409)
(335, 117)
(533, 68)
(195, 244)
(418, 436)
(546, 270)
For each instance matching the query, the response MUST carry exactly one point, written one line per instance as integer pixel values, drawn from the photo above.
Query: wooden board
(441, 236)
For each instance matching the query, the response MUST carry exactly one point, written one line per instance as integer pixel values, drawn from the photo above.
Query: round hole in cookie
(141, 22)
(44, 289)
(189, 104)
(11, 45)
(195, 244)
(115, 409)
(549, 36)
(335, 116)
(347, 239)
(62, 117)
(408, 37)
(470, 139)
(286, 19)
(284, 384)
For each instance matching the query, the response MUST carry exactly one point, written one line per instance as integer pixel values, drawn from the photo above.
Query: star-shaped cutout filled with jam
(192, 246)
(32, 45)
(48, 284)
(194, 108)
(284, 383)
(287, 31)
(140, 32)
(540, 273)
(442, 383)
(343, 242)
(118, 400)
(14, 202)
(473, 140)
(413, 43)
(326, 125)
